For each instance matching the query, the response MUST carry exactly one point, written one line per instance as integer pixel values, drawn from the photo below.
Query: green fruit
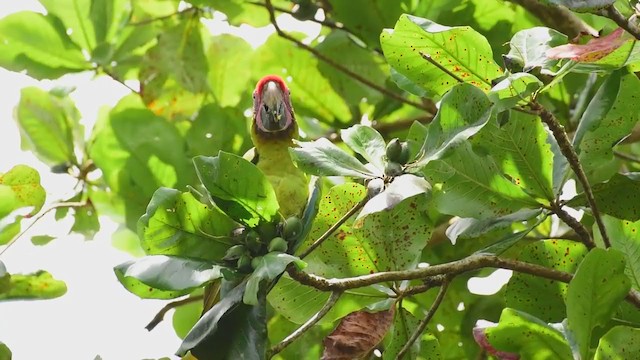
(278, 244)
(244, 263)
(375, 187)
(393, 169)
(292, 227)
(253, 241)
(255, 262)
(404, 154)
(267, 230)
(235, 252)
(394, 150)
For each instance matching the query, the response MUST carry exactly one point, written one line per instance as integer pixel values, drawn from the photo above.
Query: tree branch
(559, 18)
(307, 325)
(327, 23)
(172, 305)
(569, 152)
(338, 66)
(612, 13)
(576, 225)
(423, 324)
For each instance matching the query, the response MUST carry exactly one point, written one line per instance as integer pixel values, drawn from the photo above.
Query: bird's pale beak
(272, 114)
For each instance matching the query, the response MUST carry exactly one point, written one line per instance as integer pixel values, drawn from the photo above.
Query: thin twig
(172, 305)
(327, 23)
(164, 17)
(429, 283)
(625, 156)
(40, 216)
(339, 66)
(569, 152)
(333, 228)
(442, 68)
(113, 76)
(385, 128)
(423, 324)
(335, 295)
(612, 13)
(576, 225)
(557, 17)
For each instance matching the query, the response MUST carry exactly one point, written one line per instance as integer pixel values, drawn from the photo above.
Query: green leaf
(323, 158)
(128, 241)
(217, 129)
(229, 59)
(367, 18)
(594, 293)
(39, 45)
(617, 197)
(404, 324)
(610, 116)
(186, 316)
(525, 336)
(469, 228)
(135, 166)
(582, 5)
(39, 285)
(47, 123)
(242, 12)
(514, 90)
(40, 240)
(177, 224)
(165, 277)
(367, 142)
(624, 236)
(269, 267)
(5, 353)
(522, 153)
(20, 187)
(244, 329)
(528, 47)
(523, 291)
(238, 187)
(460, 50)
(86, 221)
(621, 342)
(463, 112)
(472, 186)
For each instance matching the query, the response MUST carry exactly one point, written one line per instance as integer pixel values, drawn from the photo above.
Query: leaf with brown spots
(618, 197)
(592, 51)
(357, 335)
(625, 237)
(39, 285)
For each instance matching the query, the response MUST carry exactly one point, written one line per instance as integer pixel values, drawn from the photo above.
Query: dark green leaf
(238, 187)
(621, 342)
(594, 293)
(270, 266)
(323, 158)
(177, 224)
(404, 324)
(367, 18)
(523, 291)
(165, 277)
(618, 197)
(367, 142)
(460, 50)
(525, 336)
(47, 124)
(217, 129)
(528, 47)
(39, 45)
(39, 285)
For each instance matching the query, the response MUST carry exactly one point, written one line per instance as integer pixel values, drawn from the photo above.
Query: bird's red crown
(275, 78)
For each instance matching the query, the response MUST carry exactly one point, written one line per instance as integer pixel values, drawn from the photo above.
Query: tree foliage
(436, 154)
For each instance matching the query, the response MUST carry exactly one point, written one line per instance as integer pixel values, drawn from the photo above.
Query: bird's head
(272, 110)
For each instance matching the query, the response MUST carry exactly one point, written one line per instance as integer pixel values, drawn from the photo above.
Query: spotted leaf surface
(621, 342)
(460, 50)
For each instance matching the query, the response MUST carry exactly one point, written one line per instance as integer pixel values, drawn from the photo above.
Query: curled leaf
(593, 50)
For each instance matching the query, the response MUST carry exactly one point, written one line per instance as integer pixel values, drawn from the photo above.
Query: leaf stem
(423, 324)
(569, 152)
(333, 228)
(339, 66)
(444, 69)
(172, 305)
(335, 295)
(576, 225)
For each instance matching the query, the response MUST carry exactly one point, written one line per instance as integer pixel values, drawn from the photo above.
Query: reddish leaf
(481, 338)
(593, 50)
(357, 334)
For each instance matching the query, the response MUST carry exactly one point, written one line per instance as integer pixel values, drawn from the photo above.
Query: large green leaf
(463, 112)
(472, 186)
(311, 92)
(177, 224)
(523, 291)
(625, 237)
(39, 45)
(621, 342)
(516, 89)
(268, 268)
(610, 116)
(130, 147)
(367, 142)
(527, 48)
(39, 285)
(48, 123)
(238, 187)
(20, 187)
(460, 50)
(218, 129)
(404, 324)
(367, 18)
(521, 151)
(594, 293)
(524, 336)
(165, 277)
(229, 60)
(469, 228)
(619, 197)
(323, 158)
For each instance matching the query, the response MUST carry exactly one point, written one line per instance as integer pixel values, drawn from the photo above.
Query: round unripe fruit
(375, 187)
(255, 262)
(404, 153)
(394, 150)
(244, 263)
(291, 228)
(267, 230)
(393, 169)
(253, 241)
(278, 244)
(235, 252)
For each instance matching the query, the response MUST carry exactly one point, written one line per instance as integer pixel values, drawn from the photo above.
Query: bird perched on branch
(273, 129)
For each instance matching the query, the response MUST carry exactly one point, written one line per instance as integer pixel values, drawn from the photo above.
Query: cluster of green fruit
(265, 238)
(397, 155)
